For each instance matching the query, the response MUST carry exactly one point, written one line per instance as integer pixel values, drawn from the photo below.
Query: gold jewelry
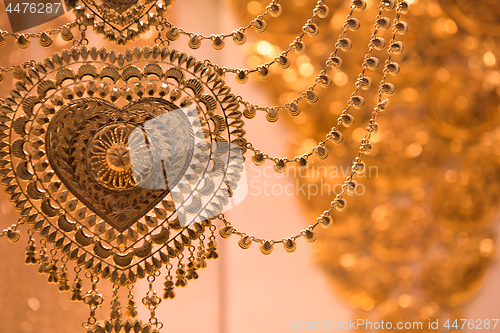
(23, 40)
(120, 21)
(121, 161)
(238, 35)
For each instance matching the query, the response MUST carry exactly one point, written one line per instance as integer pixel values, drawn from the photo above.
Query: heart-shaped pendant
(88, 147)
(106, 153)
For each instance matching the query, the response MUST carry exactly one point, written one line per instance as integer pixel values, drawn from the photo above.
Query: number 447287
(477, 324)
(34, 8)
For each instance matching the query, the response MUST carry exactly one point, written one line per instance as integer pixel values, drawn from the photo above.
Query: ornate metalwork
(110, 152)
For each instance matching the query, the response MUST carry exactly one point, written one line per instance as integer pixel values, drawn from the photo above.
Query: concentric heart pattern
(121, 160)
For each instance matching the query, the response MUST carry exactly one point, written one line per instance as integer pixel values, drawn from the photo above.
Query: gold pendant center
(118, 157)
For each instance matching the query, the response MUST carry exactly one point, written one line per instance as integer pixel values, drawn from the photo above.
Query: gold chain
(349, 184)
(23, 39)
(310, 28)
(356, 101)
(239, 37)
(334, 62)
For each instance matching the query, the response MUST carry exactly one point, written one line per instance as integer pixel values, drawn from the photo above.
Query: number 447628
(477, 324)
(34, 8)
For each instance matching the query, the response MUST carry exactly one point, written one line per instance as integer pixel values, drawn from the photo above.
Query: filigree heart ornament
(121, 21)
(88, 144)
(121, 160)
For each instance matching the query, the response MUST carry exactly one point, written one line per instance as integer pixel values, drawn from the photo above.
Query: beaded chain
(358, 166)
(238, 35)
(310, 28)
(44, 37)
(356, 101)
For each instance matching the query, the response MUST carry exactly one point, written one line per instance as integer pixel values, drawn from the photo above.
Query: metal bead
(172, 34)
(259, 25)
(241, 77)
(289, 245)
(19, 72)
(378, 43)
(239, 37)
(326, 221)
(325, 80)
(2, 39)
(226, 232)
(311, 29)
(275, 10)
(22, 42)
(358, 101)
(299, 46)
(359, 167)
(312, 96)
(266, 248)
(66, 34)
(372, 63)
(245, 242)
(283, 61)
(340, 204)
(194, 42)
(401, 27)
(1, 77)
(359, 4)
(293, 109)
(345, 44)
(397, 47)
(272, 116)
(323, 10)
(218, 42)
(389, 4)
(45, 40)
(388, 88)
(263, 73)
(373, 127)
(309, 235)
(366, 146)
(280, 166)
(302, 162)
(13, 235)
(110, 35)
(365, 82)
(384, 22)
(163, 90)
(321, 152)
(99, 27)
(89, 20)
(249, 112)
(347, 119)
(335, 62)
(393, 68)
(132, 35)
(161, 9)
(404, 6)
(258, 159)
(352, 186)
(353, 24)
(336, 136)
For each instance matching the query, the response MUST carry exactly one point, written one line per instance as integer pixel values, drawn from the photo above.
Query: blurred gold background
(417, 245)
